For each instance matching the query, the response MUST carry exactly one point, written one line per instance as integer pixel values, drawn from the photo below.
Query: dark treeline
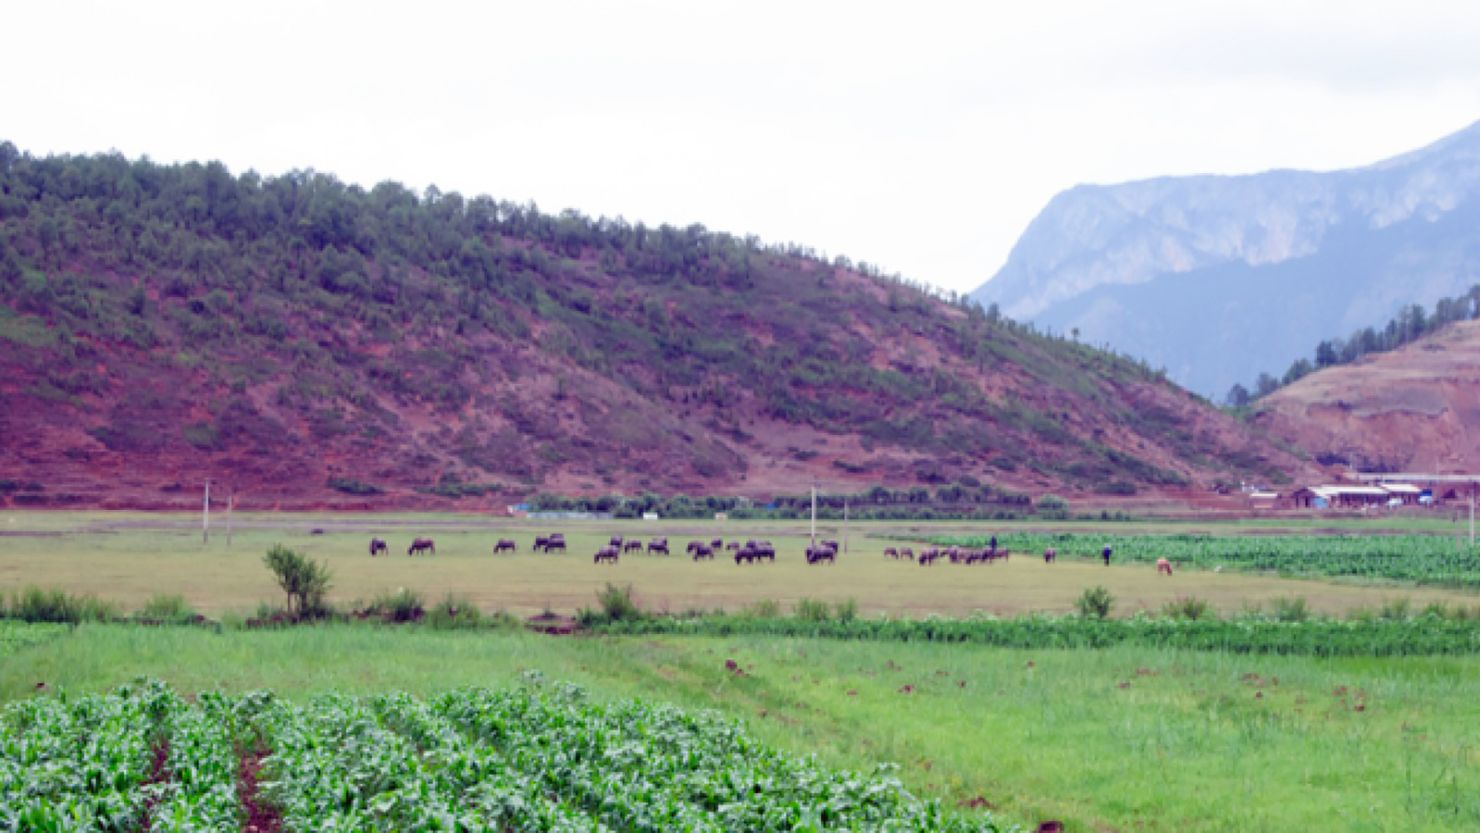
(965, 499)
(1409, 325)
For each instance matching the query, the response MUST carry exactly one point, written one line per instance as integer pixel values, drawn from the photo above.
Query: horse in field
(378, 547)
(421, 545)
(504, 544)
(1163, 566)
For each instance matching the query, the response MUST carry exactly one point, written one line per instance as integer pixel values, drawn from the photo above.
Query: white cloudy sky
(920, 136)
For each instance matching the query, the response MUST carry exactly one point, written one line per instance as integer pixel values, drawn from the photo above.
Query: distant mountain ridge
(1217, 278)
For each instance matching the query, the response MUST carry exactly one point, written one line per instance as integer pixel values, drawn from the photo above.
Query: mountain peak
(1103, 259)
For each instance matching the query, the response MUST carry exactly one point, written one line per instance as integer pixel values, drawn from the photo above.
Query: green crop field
(1423, 559)
(126, 558)
(537, 758)
(1111, 739)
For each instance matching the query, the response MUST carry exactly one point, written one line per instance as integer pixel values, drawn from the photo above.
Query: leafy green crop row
(539, 757)
(1424, 559)
(1424, 635)
(79, 765)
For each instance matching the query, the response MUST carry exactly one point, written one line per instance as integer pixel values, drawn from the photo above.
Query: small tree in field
(305, 582)
(1095, 602)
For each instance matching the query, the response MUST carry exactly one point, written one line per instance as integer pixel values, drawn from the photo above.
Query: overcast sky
(922, 137)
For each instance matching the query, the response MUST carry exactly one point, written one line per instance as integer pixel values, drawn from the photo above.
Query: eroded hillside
(307, 342)
(1413, 409)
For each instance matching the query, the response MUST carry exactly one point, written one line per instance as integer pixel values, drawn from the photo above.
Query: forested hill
(302, 341)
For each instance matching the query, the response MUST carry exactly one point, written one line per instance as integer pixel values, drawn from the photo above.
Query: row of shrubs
(1324, 637)
(1287, 627)
(36, 604)
(1097, 602)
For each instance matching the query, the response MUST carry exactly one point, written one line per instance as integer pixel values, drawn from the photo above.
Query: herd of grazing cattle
(821, 552)
(743, 552)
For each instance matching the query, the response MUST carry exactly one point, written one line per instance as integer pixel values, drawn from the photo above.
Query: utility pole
(845, 525)
(205, 516)
(1472, 515)
(230, 504)
(814, 514)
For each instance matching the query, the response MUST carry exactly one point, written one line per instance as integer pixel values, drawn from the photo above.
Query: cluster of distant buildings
(1350, 496)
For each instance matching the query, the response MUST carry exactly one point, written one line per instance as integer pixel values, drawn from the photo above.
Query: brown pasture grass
(128, 558)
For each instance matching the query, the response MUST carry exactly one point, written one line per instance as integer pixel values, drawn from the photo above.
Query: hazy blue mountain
(1218, 278)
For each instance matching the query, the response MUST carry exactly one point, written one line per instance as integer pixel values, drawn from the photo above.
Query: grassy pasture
(1116, 739)
(128, 557)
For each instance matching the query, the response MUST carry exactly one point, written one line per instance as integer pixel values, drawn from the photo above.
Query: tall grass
(35, 604)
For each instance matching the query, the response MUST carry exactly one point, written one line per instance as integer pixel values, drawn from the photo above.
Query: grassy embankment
(1116, 738)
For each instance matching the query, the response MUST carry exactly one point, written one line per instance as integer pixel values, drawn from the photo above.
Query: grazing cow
(556, 542)
(658, 545)
(504, 544)
(694, 545)
(616, 541)
(1050, 555)
(632, 545)
(1163, 566)
(540, 542)
(907, 553)
(890, 552)
(421, 545)
(928, 556)
(703, 550)
(719, 544)
(755, 551)
(606, 553)
(826, 551)
(734, 545)
(377, 546)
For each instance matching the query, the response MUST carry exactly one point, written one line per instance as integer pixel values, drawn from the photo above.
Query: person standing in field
(1105, 554)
